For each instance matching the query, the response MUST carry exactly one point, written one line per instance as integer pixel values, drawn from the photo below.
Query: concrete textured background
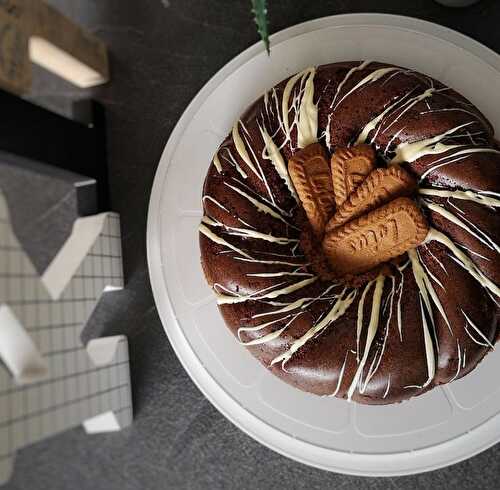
(162, 52)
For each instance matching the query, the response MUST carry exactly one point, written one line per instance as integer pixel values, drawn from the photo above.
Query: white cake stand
(428, 432)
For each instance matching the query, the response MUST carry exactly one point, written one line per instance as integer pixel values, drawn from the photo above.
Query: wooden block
(15, 65)
(63, 47)
(31, 30)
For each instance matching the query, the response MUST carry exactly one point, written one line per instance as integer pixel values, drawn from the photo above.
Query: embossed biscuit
(376, 237)
(381, 186)
(350, 166)
(310, 174)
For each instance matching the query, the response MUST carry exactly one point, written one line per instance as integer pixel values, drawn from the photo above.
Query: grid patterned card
(79, 384)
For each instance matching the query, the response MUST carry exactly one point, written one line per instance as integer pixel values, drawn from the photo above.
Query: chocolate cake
(350, 232)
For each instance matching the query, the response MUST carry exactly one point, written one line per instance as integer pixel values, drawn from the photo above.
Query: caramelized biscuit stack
(362, 215)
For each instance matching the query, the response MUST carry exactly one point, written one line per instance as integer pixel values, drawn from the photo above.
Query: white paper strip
(68, 259)
(18, 351)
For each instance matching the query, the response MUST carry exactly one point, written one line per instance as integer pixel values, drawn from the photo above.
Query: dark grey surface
(162, 53)
(43, 221)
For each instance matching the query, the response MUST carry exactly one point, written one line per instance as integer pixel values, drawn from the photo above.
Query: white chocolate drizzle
(376, 120)
(274, 262)
(262, 176)
(307, 129)
(261, 326)
(370, 78)
(359, 323)
(271, 152)
(457, 109)
(435, 258)
(341, 375)
(232, 161)
(370, 334)
(241, 149)
(338, 309)
(464, 261)
(279, 274)
(277, 114)
(220, 241)
(261, 207)
(429, 350)
(391, 141)
(287, 91)
(429, 273)
(426, 290)
(245, 223)
(209, 221)
(270, 336)
(271, 203)
(486, 343)
(400, 291)
(469, 250)
(327, 132)
(246, 233)
(479, 235)
(405, 106)
(444, 160)
(477, 197)
(217, 163)
(410, 103)
(285, 309)
(217, 287)
(459, 363)
(360, 67)
(305, 111)
(217, 203)
(409, 152)
(377, 358)
(386, 392)
(287, 256)
(240, 298)
(300, 303)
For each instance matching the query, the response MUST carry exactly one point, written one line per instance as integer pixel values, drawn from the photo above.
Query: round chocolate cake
(350, 232)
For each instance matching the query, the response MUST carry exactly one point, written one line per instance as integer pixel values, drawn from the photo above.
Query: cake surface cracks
(414, 176)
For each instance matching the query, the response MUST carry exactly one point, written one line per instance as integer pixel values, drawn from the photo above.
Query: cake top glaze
(424, 316)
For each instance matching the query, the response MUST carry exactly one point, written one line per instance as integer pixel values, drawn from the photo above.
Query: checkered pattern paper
(81, 383)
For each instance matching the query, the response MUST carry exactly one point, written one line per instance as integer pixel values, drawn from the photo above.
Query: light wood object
(33, 31)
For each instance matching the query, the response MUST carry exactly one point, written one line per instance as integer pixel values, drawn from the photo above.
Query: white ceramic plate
(428, 432)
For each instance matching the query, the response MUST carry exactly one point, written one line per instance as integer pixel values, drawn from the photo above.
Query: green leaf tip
(259, 11)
